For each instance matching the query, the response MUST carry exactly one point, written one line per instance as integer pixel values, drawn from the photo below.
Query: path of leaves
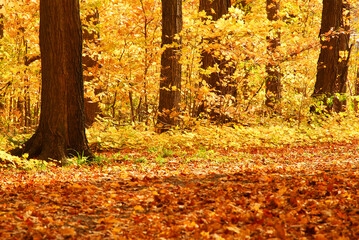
(282, 193)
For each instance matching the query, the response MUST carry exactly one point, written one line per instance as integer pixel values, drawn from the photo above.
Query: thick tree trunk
(170, 84)
(273, 81)
(61, 130)
(220, 81)
(332, 69)
(217, 80)
(215, 8)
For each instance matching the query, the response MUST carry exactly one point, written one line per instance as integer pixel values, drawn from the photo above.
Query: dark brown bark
(1, 23)
(220, 81)
(215, 8)
(332, 68)
(29, 60)
(273, 82)
(2, 105)
(217, 80)
(61, 131)
(356, 91)
(170, 84)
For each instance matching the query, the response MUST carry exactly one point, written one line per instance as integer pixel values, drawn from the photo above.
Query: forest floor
(288, 192)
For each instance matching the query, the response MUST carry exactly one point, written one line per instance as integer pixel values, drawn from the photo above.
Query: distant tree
(170, 84)
(1, 22)
(273, 81)
(356, 91)
(89, 60)
(243, 5)
(219, 80)
(61, 131)
(332, 68)
(246, 7)
(2, 106)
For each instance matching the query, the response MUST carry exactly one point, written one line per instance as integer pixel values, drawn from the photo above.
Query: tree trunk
(246, 8)
(332, 68)
(1, 23)
(217, 80)
(2, 105)
(356, 91)
(61, 131)
(273, 82)
(220, 81)
(170, 84)
(92, 108)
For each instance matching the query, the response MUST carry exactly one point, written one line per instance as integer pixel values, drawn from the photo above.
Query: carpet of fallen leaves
(308, 192)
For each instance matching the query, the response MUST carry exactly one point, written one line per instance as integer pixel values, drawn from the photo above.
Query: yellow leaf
(190, 225)
(68, 232)
(205, 234)
(109, 219)
(117, 230)
(139, 208)
(76, 186)
(256, 206)
(282, 191)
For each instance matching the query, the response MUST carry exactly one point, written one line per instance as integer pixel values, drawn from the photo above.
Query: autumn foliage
(256, 172)
(125, 82)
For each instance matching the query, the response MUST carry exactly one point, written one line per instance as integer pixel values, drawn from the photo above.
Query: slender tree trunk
(147, 65)
(133, 119)
(1, 23)
(273, 81)
(61, 130)
(2, 105)
(92, 108)
(170, 84)
(28, 116)
(356, 91)
(246, 8)
(332, 68)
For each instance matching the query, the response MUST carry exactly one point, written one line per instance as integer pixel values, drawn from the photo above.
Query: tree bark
(2, 105)
(170, 84)
(273, 81)
(61, 131)
(1, 23)
(220, 81)
(356, 91)
(332, 68)
(92, 108)
(217, 80)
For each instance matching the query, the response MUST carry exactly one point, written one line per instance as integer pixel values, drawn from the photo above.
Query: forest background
(240, 169)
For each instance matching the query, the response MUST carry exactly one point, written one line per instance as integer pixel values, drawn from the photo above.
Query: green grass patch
(272, 133)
